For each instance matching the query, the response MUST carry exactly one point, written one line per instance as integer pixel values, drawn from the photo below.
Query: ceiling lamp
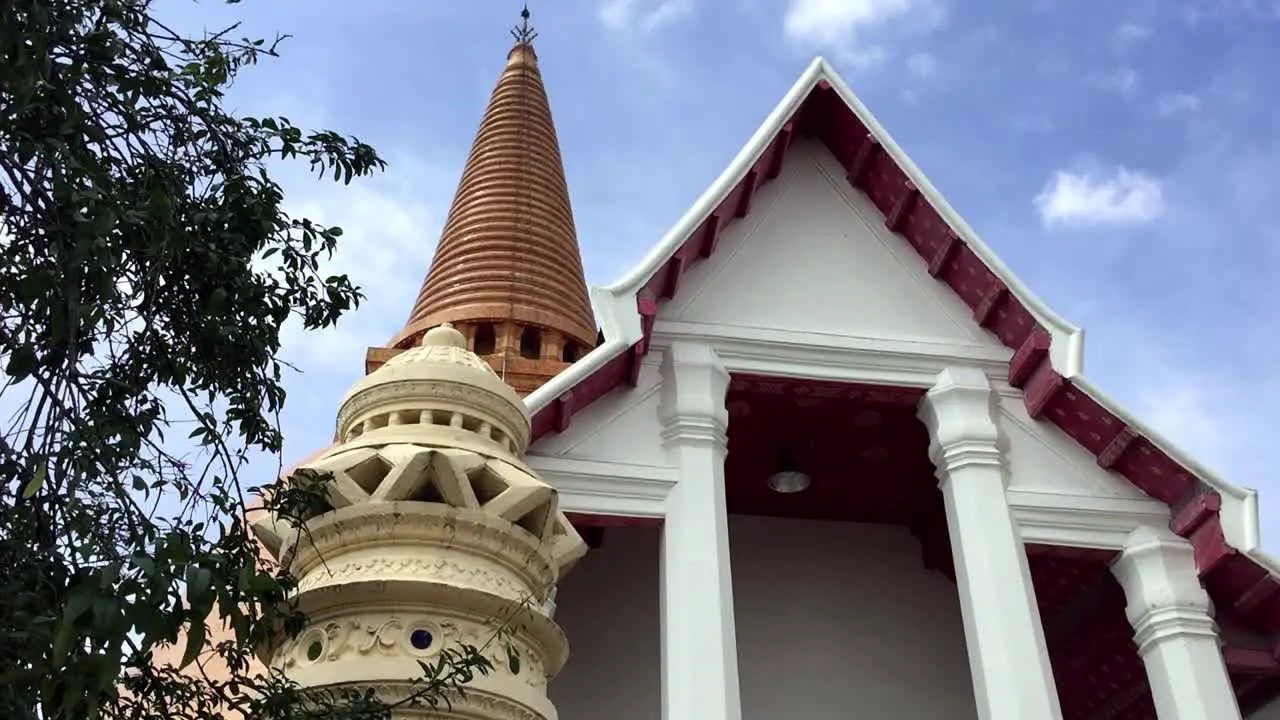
(789, 478)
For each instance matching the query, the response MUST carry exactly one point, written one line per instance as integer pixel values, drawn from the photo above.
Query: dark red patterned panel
(1012, 323)
(1081, 418)
(923, 228)
(968, 277)
(882, 182)
(1153, 471)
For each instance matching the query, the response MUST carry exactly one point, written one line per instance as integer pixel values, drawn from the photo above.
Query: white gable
(814, 255)
(621, 427)
(1041, 458)
(610, 460)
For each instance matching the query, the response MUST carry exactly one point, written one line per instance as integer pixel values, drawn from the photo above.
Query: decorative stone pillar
(439, 534)
(699, 646)
(1012, 679)
(1174, 628)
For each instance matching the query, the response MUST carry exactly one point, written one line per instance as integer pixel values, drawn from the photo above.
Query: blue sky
(1122, 157)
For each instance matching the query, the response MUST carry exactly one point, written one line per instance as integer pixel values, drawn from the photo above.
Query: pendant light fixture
(789, 478)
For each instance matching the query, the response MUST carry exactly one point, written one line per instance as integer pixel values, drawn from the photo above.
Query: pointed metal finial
(524, 32)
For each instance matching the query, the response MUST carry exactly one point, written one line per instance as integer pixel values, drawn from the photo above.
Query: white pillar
(1173, 628)
(1012, 679)
(699, 648)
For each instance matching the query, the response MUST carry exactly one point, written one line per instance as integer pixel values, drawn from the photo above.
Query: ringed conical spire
(507, 271)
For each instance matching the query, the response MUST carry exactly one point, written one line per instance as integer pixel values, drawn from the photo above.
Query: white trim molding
(600, 487)
(1082, 521)
(818, 356)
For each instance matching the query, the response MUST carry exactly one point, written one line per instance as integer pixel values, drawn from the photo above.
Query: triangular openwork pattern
(458, 478)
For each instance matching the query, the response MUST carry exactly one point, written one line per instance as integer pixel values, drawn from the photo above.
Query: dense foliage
(146, 270)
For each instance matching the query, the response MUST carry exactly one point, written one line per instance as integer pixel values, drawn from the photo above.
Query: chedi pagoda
(438, 535)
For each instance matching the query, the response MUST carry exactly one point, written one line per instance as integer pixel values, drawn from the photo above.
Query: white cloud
(1176, 103)
(843, 25)
(1130, 34)
(1231, 11)
(1123, 80)
(1032, 123)
(1123, 197)
(922, 65)
(387, 241)
(1181, 409)
(643, 15)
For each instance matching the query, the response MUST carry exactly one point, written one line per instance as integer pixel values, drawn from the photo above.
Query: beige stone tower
(439, 534)
(507, 271)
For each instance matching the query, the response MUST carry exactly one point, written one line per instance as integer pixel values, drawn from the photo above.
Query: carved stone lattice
(456, 478)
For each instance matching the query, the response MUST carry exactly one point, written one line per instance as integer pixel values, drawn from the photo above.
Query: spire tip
(524, 32)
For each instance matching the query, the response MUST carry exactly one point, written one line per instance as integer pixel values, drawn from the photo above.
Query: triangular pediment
(814, 256)
(823, 227)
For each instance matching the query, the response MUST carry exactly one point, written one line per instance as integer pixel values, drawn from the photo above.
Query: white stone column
(1012, 679)
(699, 647)
(1173, 627)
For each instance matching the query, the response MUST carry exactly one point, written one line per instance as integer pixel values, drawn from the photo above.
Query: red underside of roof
(1244, 592)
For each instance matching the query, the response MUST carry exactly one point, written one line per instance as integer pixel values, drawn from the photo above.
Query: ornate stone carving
(411, 473)
(438, 570)
(532, 667)
(504, 559)
(390, 635)
(477, 703)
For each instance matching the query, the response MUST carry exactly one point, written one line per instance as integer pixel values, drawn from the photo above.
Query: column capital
(1173, 627)
(959, 411)
(1157, 570)
(692, 401)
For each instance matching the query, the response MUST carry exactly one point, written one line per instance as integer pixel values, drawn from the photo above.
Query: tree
(148, 268)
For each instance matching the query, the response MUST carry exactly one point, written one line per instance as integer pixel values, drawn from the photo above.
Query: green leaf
(513, 659)
(36, 481)
(195, 643)
(199, 580)
(82, 598)
(62, 643)
(22, 362)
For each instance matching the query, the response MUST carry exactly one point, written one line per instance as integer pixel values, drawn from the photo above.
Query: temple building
(829, 456)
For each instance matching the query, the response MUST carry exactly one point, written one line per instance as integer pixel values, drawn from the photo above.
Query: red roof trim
(1235, 580)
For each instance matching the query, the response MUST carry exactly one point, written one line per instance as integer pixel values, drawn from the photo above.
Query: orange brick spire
(507, 271)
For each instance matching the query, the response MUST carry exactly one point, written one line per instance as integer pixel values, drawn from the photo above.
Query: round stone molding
(426, 543)
(368, 633)
(439, 383)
